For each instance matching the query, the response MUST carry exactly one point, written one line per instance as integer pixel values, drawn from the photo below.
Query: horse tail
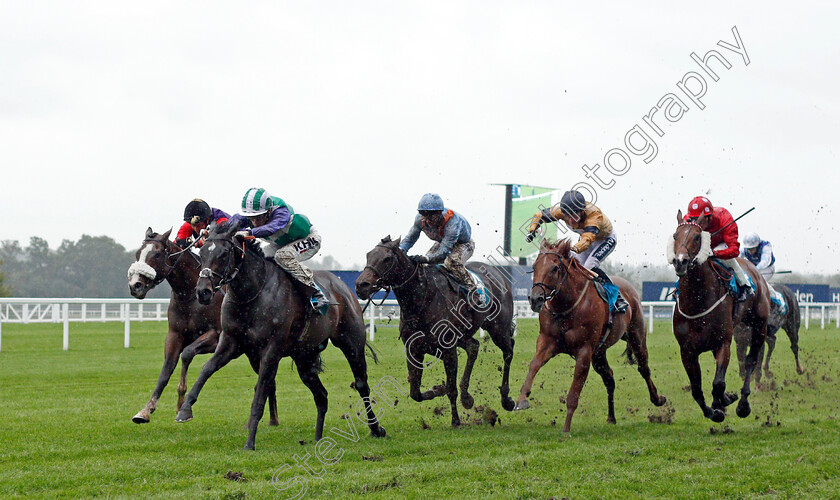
(631, 360)
(319, 364)
(372, 352)
(793, 319)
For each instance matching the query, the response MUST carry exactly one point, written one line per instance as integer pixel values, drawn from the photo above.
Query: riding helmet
(256, 202)
(430, 202)
(572, 202)
(699, 205)
(197, 211)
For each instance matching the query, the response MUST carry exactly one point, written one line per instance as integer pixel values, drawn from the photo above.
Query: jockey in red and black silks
(452, 236)
(197, 216)
(725, 245)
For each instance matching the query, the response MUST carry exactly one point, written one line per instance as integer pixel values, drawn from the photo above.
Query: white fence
(66, 311)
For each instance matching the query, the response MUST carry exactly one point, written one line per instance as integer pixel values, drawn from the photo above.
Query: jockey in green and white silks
(290, 236)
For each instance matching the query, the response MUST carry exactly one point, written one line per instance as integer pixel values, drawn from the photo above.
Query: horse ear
(166, 234)
(386, 239)
(700, 220)
(149, 233)
(679, 217)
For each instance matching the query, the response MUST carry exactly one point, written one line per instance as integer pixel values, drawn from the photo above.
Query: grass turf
(66, 427)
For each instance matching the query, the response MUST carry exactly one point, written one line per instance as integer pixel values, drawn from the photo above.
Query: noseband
(168, 268)
(551, 292)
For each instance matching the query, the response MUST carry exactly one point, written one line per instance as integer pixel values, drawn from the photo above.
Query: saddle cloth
(608, 292)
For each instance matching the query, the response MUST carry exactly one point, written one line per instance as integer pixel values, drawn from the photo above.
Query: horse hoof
(378, 432)
(273, 423)
(467, 401)
(800, 370)
(249, 447)
(717, 416)
(729, 398)
(184, 416)
(140, 418)
(743, 409)
(611, 420)
(660, 402)
(508, 404)
(522, 405)
(456, 423)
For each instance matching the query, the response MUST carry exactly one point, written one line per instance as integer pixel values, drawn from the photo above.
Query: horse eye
(387, 259)
(555, 269)
(697, 237)
(157, 254)
(675, 236)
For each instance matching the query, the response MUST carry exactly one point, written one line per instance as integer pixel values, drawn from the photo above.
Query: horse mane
(562, 247)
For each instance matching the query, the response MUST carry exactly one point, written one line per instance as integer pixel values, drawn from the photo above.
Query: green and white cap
(255, 202)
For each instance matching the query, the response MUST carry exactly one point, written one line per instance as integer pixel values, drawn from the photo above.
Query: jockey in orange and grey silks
(597, 237)
(452, 236)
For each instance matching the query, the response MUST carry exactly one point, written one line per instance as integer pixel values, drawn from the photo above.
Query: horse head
(151, 267)
(692, 245)
(220, 261)
(551, 269)
(384, 266)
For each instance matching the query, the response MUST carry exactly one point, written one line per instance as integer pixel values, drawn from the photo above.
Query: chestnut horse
(789, 321)
(705, 315)
(574, 320)
(193, 327)
(265, 317)
(435, 320)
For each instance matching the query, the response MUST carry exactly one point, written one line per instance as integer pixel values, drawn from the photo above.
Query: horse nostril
(138, 286)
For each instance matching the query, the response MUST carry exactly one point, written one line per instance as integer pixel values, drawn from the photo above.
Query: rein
(721, 273)
(553, 291)
(166, 256)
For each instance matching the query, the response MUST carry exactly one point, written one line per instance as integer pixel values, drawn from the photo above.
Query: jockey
(725, 243)
(760, 253)
(597, 237)
(197, 216)
(452, 236)
(290, 236)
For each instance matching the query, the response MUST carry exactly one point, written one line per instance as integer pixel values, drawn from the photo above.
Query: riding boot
(745, 293)
(621, 305)
(319, 301)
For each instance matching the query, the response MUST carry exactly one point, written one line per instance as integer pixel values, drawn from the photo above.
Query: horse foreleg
(450, 365)
(204, 344)
(720, 398)
(602, 368)
(272, 393)
(268, 370)
(756, 343)
(308, 371)
(584, 358)
(546, 349)
(227, 349)
(471, 346)
(415, 359)
(172, 347)
(692, 369)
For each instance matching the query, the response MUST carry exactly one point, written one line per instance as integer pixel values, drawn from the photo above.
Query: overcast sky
(114, 115)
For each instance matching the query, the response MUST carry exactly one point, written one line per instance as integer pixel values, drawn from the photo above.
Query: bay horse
(193, 327)
(266, 317)
(705, 315)
(434, 319)
(574, 320)
(789, 321)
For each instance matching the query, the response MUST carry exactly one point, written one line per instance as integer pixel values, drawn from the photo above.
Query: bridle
(684, 242)
(551, 292)
(379, 284)
(169, 268)
(227, 276)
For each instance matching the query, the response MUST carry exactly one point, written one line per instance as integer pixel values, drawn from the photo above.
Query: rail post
(371, 316)
(650, 319)
(66, 336)
(127, 334)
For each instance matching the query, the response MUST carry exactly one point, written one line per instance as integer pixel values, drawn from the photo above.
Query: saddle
(458, 288)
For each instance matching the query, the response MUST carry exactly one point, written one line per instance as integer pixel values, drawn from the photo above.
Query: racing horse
(265, 317)
(193, 327)
(705, 315)
(576, 321)
(786, 318)
(435, 319)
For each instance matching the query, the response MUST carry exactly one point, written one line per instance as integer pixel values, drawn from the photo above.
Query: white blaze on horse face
(141, 267)
(211, 247)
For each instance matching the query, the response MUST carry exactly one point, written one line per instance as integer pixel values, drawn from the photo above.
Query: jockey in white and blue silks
(760, 253)
(452, 236)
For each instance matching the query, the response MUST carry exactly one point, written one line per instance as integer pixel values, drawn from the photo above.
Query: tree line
(96, 267)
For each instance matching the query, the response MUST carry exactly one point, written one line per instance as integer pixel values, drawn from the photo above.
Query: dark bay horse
(574, 320)
(193, 327)
(434, 319)
(788, 320)
(705, 316)
(265, 317)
